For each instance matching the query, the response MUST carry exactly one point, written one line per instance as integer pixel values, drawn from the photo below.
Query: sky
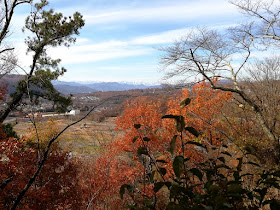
(121, 38)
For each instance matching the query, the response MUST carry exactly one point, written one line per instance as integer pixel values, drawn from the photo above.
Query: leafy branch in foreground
(222, 180)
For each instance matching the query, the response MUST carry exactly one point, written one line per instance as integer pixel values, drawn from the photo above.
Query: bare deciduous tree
(227, 53)
(265, 22)
(7, 58)
(265, 87)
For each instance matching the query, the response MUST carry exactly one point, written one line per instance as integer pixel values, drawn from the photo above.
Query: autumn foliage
(202, 168)
(141, 125)
(58, 185)
(151, 146)
(205, 110)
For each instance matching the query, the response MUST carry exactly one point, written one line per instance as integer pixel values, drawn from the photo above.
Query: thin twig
(45, 155)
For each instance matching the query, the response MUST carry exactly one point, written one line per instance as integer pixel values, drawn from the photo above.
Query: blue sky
(121, 38)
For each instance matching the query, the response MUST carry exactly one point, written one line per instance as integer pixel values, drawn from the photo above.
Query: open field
(86, 138)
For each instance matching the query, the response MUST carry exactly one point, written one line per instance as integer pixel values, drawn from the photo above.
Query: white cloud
(116, 15)
(171, 36)
(161, 38)
(176, 11)
(85, 51)
(98, 52)
(136, 67)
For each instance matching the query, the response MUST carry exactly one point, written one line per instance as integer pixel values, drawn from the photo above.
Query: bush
(9, 131)
(221, 179)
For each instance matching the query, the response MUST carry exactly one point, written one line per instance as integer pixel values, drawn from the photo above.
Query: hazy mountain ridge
(68, 89)
(77, 87)
(11, 80)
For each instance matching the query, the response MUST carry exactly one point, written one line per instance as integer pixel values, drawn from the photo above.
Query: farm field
(86, 138)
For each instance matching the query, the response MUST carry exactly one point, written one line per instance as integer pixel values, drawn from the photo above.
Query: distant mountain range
(90, 87)
(73, 89)
(77, 87)
(11, 80)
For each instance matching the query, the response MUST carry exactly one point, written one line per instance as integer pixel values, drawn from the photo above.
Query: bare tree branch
(45, 155)
(209, 54)
(7, 49)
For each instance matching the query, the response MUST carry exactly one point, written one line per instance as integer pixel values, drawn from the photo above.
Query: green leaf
(252, 163)
(185, 102)
(173, 144)
(137, 126)
(222, 166)
(236, 176)
(206, 208)
(274, 204)
(149, 204)
(276, 173)
(162, 171)
(197, 173)
(179, 120)
(170, 116)
(227, 205)
(247, 174)
(214, 188)
(267, 202)
(196, 143)
(240, 161)
(122, 189)
(168, 184)
(178, 165)
(180, 123)
(271, 182)
(158, 186)
(262, 192)
(192, 130)
(146, 139)
(134, 139)
(142, 151)
(234, 188)
(221, 159)
(226, 153)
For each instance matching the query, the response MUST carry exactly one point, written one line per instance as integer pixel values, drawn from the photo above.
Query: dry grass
(83, 139)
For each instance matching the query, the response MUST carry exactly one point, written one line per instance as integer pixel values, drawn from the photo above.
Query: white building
(74, 112)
